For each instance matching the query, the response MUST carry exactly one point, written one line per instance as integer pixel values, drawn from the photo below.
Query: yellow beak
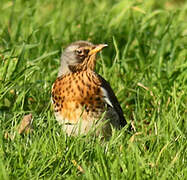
(97, 48)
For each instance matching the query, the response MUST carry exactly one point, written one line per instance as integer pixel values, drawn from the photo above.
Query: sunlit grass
(145, 63)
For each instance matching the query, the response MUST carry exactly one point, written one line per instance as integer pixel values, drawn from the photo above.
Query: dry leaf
(25, 125)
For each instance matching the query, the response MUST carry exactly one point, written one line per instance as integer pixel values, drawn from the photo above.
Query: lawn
(145, 63)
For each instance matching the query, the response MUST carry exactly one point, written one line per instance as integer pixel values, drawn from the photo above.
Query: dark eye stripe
(81, 52)
(78, 51)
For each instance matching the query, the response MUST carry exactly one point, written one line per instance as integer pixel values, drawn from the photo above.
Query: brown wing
(112, 100)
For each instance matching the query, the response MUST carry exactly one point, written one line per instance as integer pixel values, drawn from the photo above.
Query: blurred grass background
(146, 64)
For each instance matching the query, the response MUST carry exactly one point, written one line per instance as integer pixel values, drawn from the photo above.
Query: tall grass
(145, 63)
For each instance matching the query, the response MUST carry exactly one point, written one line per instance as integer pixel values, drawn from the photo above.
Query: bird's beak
(97, 48)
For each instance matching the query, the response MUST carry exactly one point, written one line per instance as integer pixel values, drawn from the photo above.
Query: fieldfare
(81, 98)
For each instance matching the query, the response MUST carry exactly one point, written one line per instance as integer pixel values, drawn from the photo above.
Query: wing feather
(111, 99)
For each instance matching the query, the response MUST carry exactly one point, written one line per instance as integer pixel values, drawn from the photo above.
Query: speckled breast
(77, 95)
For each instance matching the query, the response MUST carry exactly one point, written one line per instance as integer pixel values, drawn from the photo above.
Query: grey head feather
(68, 56)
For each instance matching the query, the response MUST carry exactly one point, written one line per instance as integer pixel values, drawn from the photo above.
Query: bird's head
(78, 56)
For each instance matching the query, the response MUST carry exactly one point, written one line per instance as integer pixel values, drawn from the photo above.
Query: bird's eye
(86, 51)
(78, 51)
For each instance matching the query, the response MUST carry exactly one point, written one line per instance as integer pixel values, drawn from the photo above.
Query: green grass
(146, 64)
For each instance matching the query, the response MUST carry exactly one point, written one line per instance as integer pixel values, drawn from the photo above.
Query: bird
(82, 99)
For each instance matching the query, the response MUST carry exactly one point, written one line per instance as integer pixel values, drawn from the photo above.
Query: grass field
(145, 63)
